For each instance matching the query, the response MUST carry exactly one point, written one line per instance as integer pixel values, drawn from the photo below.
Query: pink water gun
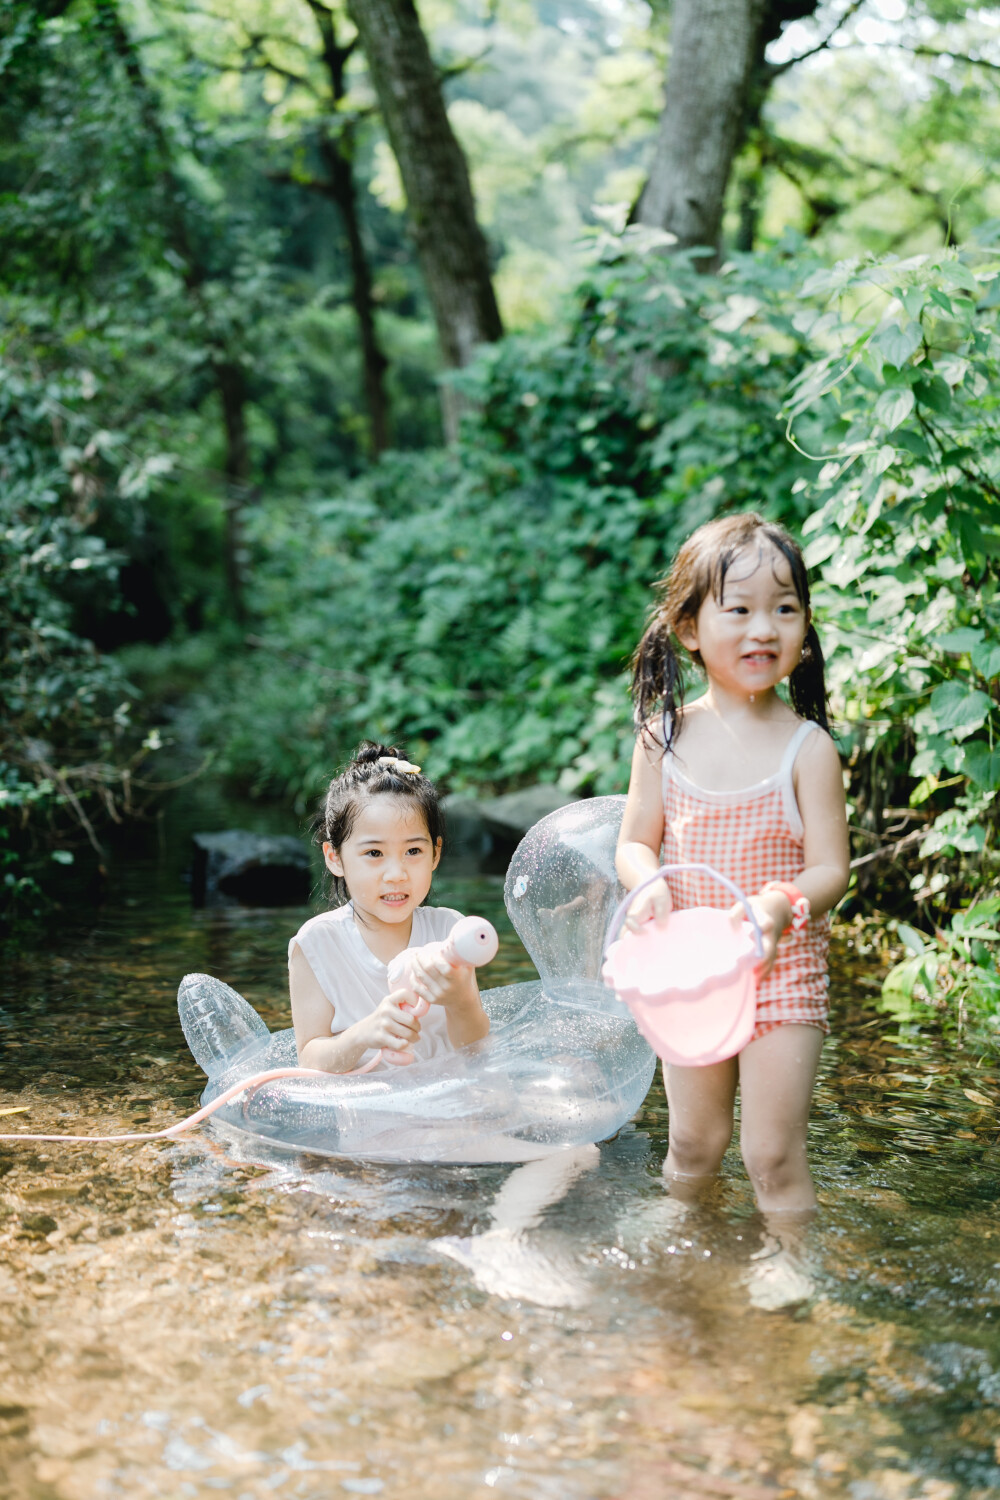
(470, 943)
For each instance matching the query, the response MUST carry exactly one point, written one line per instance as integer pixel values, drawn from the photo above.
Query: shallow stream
(176, 1322)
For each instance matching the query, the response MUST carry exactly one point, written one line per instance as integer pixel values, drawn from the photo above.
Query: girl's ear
(437, 854)
(333, 861)
(686, 631)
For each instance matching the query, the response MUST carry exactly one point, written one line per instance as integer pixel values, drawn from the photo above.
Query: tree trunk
(229, 376)
(375, 364)
(451, 246)
(750, 199)
(714, 48)
(777, 15)
(338, 156)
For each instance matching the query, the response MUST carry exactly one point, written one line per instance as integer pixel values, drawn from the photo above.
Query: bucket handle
(622, 909)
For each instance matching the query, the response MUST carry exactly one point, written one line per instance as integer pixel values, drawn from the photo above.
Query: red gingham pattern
(753, 836)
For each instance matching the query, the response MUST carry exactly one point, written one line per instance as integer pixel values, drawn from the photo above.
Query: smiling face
(387, 860)
(751, 638)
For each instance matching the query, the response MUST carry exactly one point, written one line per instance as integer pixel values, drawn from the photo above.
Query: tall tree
(718, 80)
(453, 252)
(336, 146)
(224, 356)
(714, 46)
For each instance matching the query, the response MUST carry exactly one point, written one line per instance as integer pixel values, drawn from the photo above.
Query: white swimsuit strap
(803, 732)
(666, 759)
(783, 779)
(787, 785)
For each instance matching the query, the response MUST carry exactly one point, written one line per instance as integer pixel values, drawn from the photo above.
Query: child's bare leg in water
(775, 1076)
(700, 1102)
(777, 1073)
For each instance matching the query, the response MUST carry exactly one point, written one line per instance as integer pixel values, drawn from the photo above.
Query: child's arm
(819, 790)
(458, 992)
(641, 837)
(387, 1026)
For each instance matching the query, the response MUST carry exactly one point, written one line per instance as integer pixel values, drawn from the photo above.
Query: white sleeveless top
(355, 981)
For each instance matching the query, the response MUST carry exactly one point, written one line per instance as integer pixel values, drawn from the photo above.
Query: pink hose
(253, 1082)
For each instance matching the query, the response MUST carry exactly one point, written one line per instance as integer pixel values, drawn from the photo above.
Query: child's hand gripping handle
(734, 890)
(470, 943)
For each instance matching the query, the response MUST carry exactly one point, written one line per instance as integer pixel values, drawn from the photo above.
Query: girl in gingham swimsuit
(743, 782)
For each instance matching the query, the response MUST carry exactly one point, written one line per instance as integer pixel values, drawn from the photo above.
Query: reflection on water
(179, 1322)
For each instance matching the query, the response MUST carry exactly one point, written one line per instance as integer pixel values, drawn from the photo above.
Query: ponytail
(657, 679)
(807, 684)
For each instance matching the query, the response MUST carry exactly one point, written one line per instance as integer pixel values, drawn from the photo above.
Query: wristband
(801, 910)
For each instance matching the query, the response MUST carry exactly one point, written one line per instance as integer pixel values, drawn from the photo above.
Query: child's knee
(774, 1163)
(699, 1152)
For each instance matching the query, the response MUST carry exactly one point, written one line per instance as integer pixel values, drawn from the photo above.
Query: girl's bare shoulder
(693, 718)
(818, 751)
(819, 744)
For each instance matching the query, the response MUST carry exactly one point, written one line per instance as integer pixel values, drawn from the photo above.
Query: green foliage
(907, 530)
(955, 971)
(883, 144)
(66, 709)
(478, 604)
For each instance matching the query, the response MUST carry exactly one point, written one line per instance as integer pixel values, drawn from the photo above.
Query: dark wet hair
(362, 778)
(700, 568)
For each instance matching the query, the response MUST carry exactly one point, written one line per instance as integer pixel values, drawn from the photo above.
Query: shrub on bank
(68, 751)
(479, 603)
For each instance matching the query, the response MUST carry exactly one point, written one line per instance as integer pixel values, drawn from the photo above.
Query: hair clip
(393, 762)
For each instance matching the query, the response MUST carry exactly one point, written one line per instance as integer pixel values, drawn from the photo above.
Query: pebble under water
(177, 1321)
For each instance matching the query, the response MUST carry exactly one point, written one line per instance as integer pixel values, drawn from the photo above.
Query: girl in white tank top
(381, 830)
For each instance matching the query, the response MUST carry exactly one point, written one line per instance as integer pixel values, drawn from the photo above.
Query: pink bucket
(691, 984)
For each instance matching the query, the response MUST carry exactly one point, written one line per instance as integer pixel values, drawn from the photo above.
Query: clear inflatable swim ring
(564, 1063)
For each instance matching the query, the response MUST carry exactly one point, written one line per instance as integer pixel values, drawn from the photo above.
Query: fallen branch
(888, 851)
(58, 780)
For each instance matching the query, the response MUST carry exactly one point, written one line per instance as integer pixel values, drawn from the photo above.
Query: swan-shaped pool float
(564, 1064)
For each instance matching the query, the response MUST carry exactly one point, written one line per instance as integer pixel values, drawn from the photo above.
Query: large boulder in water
(238, 868)
(486, 830)
(468, 838)
(510, 817)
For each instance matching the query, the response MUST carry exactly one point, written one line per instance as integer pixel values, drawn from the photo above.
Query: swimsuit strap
(803, 732)
(666, 760)
(788, 798)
